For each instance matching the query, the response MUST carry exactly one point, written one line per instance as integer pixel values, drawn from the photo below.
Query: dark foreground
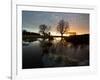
(65, 52)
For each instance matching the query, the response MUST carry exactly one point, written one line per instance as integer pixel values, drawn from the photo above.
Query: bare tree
(62, 27)
(43, 28)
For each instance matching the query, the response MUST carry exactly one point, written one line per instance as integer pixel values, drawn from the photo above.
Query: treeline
(26, 33)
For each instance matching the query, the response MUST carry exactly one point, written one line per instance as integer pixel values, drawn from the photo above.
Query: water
(44, 53)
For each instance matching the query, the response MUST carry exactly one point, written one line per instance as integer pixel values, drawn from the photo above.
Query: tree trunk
(61, 35)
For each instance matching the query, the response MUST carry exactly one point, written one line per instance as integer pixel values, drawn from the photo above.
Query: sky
(78, 22)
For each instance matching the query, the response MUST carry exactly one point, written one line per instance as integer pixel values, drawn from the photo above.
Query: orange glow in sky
(77, 30)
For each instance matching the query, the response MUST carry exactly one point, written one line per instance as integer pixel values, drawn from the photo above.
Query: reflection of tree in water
(61, 45)
(53, 54)
(46, 57)
(45, 45)
(63, 53)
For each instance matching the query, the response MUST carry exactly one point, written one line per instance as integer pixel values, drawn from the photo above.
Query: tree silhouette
(43, 28)
(62, 27)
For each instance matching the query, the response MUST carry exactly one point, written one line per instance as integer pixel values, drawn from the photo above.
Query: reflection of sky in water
(60, 53)
(35, 43)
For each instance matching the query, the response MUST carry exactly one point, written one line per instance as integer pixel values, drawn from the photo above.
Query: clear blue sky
(78, 22)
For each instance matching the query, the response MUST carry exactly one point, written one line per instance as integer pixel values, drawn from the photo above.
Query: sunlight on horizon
(54, 32)
(58, 34)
